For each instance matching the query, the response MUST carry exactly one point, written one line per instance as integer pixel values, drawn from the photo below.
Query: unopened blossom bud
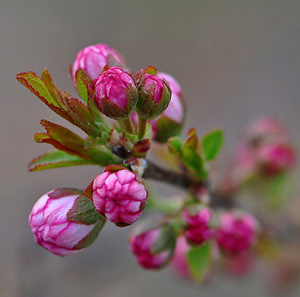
(116, 93)
(236, 232)
(267, 129)
(64, 221)
(153, 243)
(197, 220)
(93, 58)
(171, 121)
(276, 158)
(154, 96)
(120, 195)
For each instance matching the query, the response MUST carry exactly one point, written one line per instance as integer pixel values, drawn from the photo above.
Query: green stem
(142, 127)
(128, 125)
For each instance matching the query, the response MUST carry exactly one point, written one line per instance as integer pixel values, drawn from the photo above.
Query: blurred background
(236, 61)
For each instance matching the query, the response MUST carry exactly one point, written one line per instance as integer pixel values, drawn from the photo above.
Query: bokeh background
(236, 61)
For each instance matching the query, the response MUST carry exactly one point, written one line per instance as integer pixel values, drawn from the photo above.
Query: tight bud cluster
(118, 93)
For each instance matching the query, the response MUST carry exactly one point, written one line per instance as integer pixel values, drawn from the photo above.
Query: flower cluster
(146, 107)
(64, 221)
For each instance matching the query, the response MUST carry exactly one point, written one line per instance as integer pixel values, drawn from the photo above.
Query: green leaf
(102, 155)
(61, 138)
(278, 190)
(193, 160)
(63, 135)
(199, 261)
(166, 128)
(212, 144)
(174, 145)
(60, 102)
(82, 81)
(33, 83)
(148, 132)
(53, 90)
(56, 159)
(97, 141)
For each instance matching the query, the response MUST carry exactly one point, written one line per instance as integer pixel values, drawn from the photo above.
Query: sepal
(83, 212)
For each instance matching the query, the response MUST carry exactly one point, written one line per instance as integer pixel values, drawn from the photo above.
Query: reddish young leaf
(56, 159)
(80, 114)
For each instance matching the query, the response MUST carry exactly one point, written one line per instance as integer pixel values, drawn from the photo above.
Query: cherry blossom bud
(93, 58)
(116, 93)
(197, 219)
(171, 121)
(119, 195)
(64, 221)
(237, 232)
(267, 129)
(153, 243)
(276, 158)
(155, 95)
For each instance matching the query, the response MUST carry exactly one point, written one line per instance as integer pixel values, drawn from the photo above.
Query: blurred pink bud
(116, 93)
(153, 244)
(197, 219)
(276, 158)
(179, 261)
(267, 128)
(171, 121)
(93, 58)
(119, 195)
(175, 110)
(55, 230)
(155, 95)
(236, 232)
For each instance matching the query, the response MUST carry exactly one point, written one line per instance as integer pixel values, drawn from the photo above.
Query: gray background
(236, 61)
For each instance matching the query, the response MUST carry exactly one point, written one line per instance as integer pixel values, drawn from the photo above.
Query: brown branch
(153, 171)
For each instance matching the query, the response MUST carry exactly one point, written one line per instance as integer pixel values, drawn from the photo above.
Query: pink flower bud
(155, 95)
(171, 121)
(57, 223)
(197, 219)
(119, 195)
(116, 93)
(237, 232)
(175, 110)
(153, 244)
(93, 58)
(267, 128)
(276, 158)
